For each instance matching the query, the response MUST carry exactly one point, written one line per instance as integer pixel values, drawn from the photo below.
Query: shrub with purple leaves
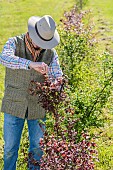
(50, 94)
(67, 155)
(75, 21)
(62, 149)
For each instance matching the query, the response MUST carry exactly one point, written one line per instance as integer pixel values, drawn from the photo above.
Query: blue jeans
(13, 127)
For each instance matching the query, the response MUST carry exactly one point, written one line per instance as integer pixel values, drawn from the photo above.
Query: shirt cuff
(27, 65)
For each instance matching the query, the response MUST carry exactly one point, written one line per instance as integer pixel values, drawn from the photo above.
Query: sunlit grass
(104, 141)
(102, 16)
(102, 12)
(15, 13)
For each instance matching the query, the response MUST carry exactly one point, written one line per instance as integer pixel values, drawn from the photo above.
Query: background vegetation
(102, 17)
(90, 72)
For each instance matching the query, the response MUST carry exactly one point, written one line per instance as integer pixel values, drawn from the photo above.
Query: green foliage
(90, 74)
(74, 50)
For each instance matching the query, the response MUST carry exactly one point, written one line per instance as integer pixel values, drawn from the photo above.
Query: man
(27, 57)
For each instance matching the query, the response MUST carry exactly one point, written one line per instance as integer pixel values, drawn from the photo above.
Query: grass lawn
(103, 18)
(102, 12)
(15, 13)
(103, 6)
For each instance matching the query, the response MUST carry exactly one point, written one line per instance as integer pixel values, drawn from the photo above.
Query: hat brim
(37, 40)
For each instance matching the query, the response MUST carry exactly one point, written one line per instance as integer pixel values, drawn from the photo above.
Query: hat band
(40, 35)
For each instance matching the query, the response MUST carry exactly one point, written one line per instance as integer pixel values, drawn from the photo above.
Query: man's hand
(39, 67)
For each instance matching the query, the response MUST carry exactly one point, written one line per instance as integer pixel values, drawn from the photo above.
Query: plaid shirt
(8, 59)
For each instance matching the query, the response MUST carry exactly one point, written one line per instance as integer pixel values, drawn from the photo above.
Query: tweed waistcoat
(16, 98)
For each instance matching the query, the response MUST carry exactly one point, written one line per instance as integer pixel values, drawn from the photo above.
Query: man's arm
(8, 58)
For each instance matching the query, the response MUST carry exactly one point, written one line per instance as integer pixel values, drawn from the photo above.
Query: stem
(96, 101)
(80, 4)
